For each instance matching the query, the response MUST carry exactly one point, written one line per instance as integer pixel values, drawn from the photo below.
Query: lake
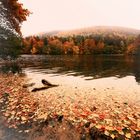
(88, 67)
(115, 74)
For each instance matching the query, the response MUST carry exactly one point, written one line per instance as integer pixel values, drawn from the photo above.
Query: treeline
(79, 44)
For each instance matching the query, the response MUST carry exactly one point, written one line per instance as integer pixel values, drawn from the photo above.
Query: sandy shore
(77, 112)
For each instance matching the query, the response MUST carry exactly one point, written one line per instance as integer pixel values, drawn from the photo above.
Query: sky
(52, 15)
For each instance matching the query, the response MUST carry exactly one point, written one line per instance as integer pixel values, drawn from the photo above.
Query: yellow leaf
(13, 112)
(106, 133)
(138, 123)
(128, 135)
(121, 132)
(23, 118)
(98, 126)
(112, 136)
(6, 114)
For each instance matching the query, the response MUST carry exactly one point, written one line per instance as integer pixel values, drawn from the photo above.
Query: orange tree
(12, 14)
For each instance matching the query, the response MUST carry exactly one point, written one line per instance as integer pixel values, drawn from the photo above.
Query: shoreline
(87, 116)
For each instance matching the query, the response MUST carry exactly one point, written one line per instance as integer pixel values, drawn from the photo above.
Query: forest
(81, 44)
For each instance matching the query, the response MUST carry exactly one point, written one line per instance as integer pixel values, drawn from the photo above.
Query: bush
(10, 48)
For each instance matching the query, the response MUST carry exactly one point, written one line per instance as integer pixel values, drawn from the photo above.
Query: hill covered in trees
(96, 30)
(93, 40)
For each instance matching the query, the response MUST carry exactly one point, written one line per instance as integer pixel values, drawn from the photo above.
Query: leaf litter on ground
(109, 115)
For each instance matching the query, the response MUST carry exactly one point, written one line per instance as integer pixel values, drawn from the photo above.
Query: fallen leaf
(23, 118)
(112, 136)
(128, 135)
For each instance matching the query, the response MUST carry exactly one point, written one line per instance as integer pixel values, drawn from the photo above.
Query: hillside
(97, 30)
(93, 40)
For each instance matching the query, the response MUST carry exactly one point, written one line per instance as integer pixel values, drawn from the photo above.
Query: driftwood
(46, 83)
(46, 86)
(39, 89)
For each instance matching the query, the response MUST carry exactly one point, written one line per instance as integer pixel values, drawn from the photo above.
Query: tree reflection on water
(86, 66)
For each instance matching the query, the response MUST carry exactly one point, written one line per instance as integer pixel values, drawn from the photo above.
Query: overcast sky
(50, 15)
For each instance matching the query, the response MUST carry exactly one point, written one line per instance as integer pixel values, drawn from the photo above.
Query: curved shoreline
(85, 115)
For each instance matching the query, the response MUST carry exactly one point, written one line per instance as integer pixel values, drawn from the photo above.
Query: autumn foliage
(15, 13)
(80, 45)
(134, 48)
(12, 14)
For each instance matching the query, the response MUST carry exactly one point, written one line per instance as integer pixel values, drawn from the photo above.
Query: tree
(89, 46)
(12, 14)
(68, 47)
(55, 46)
(131, 49)
(100, 47)
(137, 44)
(134, 48)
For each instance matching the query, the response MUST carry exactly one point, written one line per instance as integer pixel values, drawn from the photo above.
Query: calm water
(86, 67)
(101, 77)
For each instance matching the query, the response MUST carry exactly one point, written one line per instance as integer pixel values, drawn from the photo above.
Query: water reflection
(87, 66)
